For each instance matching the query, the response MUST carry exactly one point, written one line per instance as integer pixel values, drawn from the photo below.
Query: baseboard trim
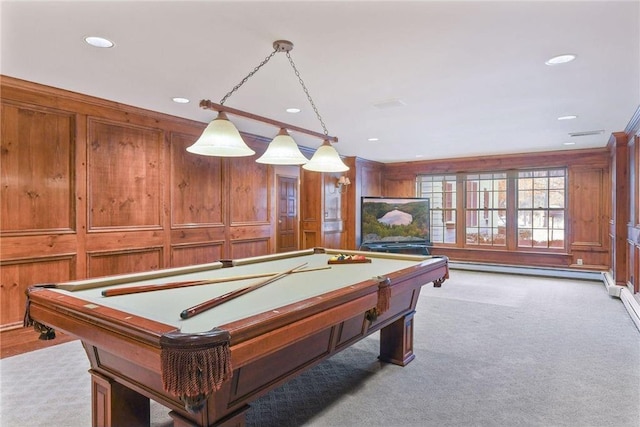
(613, 289)
(528, 271)
(632, 306)
(630, 303)
(626, 296)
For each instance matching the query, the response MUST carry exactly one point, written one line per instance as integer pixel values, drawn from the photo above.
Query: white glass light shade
(221, 138)
(282, 150)
(326, 159)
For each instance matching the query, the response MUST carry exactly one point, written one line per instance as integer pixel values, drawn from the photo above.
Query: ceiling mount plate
(283, 45)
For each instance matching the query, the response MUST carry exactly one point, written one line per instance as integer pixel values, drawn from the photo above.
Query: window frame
(547, 217)
(482, 205)
(446, 216)
(511, 208)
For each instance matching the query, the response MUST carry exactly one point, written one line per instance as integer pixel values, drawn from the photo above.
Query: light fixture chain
(255, 70)
(326, 132)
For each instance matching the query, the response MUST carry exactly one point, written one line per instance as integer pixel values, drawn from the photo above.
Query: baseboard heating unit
(630, 303)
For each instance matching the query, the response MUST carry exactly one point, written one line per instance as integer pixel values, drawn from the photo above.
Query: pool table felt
(166, 305)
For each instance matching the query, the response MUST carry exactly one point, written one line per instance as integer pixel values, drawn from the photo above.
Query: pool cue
(197, 309)
(174, 285)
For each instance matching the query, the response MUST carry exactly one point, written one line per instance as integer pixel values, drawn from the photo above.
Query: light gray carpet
(491, 350)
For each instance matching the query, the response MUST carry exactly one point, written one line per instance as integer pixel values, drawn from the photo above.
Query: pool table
(207, 367)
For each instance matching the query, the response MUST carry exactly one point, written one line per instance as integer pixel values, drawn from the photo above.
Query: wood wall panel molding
(311, 203)
(39, 258)
(81, 200)
(593, 246)
(17, 275)
(333, 240)
(183, 255)
(250, 231)
(369, 182)
(28, 246)
(591, 256)
(620, 212)
(351, 202)
(37, 180)
(529, 258)
(106, 263)
(190, 235)
(64, 100)
(196, 186)
(597, 157)
(125, 166)
(586, 203)
(250, 224)
(249, 195)
(371, 179)
(123, 239)
(310, 239)
(403, 187)
(250, 248)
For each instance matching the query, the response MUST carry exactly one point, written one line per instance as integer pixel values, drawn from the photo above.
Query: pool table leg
(237, 419)
(113, 404)
(396, 341)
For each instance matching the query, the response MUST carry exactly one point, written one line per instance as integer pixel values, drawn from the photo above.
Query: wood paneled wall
(624, 232)
(367, 181)
(588, 204)
(323, 210)
(633, 233)
(92, 188)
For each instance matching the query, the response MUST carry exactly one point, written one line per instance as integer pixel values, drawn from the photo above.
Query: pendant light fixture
(283, 150)
(221, 137)
(326, 159)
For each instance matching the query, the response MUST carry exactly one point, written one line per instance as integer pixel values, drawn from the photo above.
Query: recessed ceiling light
(568, 143)
(98, 41)
(180, 100)
(418, 156)
(293, 110)
(390, 103)
(372, 139)
(567, 117)
(561, 59)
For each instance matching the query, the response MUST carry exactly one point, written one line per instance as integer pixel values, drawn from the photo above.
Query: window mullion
(512, 211)
(461, 212)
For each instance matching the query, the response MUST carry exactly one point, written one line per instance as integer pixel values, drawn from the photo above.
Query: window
(486, 209)
(512, 210)
(541, 206)
(441, 191)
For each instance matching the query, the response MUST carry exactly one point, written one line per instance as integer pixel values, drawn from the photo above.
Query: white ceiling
(472, 75)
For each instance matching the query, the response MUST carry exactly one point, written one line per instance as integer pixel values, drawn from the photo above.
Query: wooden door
(287, 227)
